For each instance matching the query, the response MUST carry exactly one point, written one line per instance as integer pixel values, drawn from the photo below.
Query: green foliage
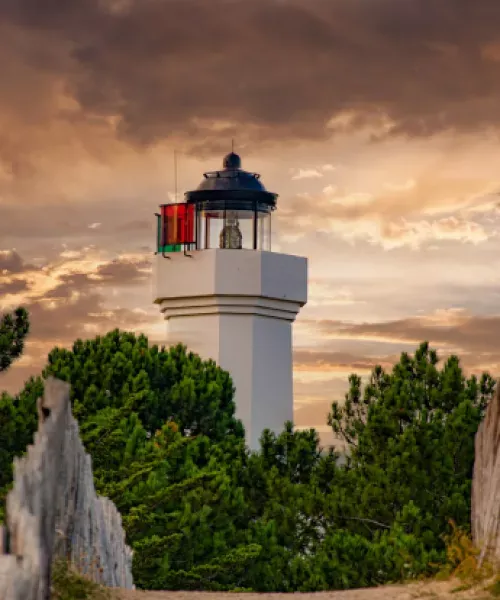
(17, 415)
(13, 330)
(160, 428)
(411, 440)
(120, 371)
(18, 423)
(202, 512)
(346, 560)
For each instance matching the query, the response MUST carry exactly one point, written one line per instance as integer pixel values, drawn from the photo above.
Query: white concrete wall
(230, 272)
(235, 354)
(237, 307)
(272, 390)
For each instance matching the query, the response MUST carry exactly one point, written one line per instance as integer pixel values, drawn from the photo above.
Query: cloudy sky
(377, 122)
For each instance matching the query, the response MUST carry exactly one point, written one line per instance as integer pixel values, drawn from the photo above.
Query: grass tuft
(67, 584)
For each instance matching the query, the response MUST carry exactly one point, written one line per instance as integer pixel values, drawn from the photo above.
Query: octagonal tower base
(237, 307)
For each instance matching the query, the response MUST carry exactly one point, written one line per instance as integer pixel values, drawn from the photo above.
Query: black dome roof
(232, 189)
(232, 177)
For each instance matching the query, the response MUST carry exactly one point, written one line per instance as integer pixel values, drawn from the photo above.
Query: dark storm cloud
(123, 272)
(470, 333)
(120, 272)
(12, 263)
(63, 325)
(80, 311)
(286, 67)
(69, 284)
(473, 338)
(13, 287)
(117, 273)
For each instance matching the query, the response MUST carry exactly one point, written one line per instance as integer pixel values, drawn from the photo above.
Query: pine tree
(203, 512)
(410, 435)
(14, 328)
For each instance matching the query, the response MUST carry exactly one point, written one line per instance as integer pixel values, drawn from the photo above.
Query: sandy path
(429, 591)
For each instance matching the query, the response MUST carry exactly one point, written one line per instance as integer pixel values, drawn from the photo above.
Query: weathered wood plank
(53, 510)
(485, 513)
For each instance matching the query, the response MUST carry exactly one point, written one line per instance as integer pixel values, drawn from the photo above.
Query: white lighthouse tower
(227, 296)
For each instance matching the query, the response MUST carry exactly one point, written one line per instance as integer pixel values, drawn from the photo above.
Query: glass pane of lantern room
(230, 229)
(264, 231)
(200, 229)
(213, 222)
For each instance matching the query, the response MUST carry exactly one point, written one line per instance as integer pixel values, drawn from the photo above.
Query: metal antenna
(232, 145)
(175, 175)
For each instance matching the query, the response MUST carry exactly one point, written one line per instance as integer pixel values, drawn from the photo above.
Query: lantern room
(230, 209)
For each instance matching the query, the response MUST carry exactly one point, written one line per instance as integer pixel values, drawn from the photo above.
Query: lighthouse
(227, 296)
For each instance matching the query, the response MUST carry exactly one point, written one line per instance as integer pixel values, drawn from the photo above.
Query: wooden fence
(53, 510)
